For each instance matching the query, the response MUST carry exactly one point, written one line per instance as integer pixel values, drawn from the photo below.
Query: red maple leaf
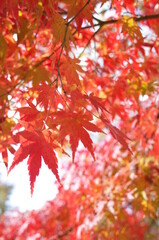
(35, 147)
(75, 125)
(116, 133)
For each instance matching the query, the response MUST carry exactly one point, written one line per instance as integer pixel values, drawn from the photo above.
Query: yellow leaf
(131, 26)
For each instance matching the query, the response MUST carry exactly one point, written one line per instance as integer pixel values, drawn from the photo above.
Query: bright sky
(44, 189)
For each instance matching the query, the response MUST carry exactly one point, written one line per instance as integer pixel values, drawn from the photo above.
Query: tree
(5, 191)
(69, 68)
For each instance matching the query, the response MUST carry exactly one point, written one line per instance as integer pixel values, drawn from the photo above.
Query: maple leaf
(3, 47)
(44, 91)
(5, 147)
(38, 75)
(75, 7)
(31, 114)
(75, 125)
(116, 133)
(35, 147)
(61, 32)
(131, 26)
(70, 68)
(96, 102)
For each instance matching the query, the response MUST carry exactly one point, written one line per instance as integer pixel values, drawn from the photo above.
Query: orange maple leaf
(61, 31)
(75, 8)
(70, 68)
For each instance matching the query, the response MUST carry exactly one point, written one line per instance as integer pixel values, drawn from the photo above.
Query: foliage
(84, 71)
(5, 191)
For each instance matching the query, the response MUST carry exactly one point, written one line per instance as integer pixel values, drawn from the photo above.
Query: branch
(61, 235)
(26, 74)
(113, 21)
(65, 233)
(100, 24)
(94, 34)
(137, 19)
(148, 17)
(42, 61)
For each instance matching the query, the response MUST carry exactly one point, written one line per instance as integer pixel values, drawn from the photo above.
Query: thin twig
(113, 21)
(62, 47)
(58, 62)
(63, 99)
(89, 42)
(71, 20)
(59, 75)
(61, 235)
(100, 24)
